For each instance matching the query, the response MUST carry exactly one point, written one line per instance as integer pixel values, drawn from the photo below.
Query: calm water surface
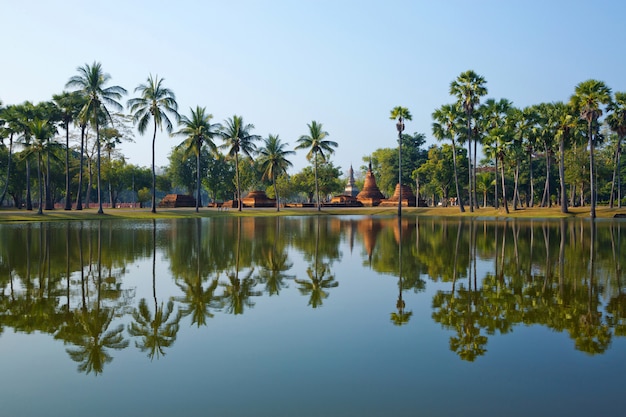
(313, 316)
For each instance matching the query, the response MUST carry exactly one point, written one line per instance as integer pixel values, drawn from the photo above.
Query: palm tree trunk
(6, 184)
(475, 197)
(615, 168)
(456, 180)
(68, 196)
(198, 177)
(153, 171)
(239, 203)
(562, 174)
(317, 188)
(532, 180)
(29, 201)
(79, 194)
(506, 205)
(591, 173)
(469, 164)
(100, 211)
(276, 191)
(496, 202)
(39, 181)
(516, 187)
(49, 205)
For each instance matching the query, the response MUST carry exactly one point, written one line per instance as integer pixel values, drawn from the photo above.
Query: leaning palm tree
(446, 126)
(237, 138)
(199, 132)
(91, 83)
(468, 88)
(617, 123)
(274, 161)
(155, 103)
(317, 145)
(588, 98)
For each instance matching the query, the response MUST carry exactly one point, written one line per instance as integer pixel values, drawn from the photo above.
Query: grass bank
(12, 215)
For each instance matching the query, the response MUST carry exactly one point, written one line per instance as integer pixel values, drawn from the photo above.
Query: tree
(273, 160)
(10, 118)
(318, 146)
(91, 83)
(617, 123)
(446, 126)
(400, 113)
(69, 105)
(565, 122)
(588, 98)
(238, 138)
(468, 88)
(41, 131)
(199, 131)
(155, 103)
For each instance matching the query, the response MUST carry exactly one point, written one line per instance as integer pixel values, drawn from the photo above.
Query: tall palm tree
(10, 118)
(468, 88)
(41, 131)
(446, 126)
(273, 160)
(69, 105)
(199, 132)
(318, 145)
(237, 138)
(588, 98)
(155, 103)
(565, 122)
(91, 83)
(402, 114)
(617, 123)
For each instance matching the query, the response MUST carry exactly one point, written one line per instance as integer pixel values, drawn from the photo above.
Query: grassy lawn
(12, 215)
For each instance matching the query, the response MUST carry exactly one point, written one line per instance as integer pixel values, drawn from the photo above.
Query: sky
(284, 63)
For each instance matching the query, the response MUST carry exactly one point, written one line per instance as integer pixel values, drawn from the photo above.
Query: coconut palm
(91, 83)
(446, 126)
(318, 146)
(238, 138)
(468, 88)
(10, 127)
(69, 105)
(199, 132)
(155, 103)
(273, 160)
(588, 98)
(617, 123)
(41, 131)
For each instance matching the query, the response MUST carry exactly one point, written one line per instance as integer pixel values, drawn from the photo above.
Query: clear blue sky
(281, 64)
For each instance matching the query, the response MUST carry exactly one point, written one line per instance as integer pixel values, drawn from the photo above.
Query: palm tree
(155, 103)
(69, 105)
(91, 83)
(274, 161)
(10, 117)
(617, 123)
(400, 113)
(564, 122)
(468, 88)
(316, 143)
(446, 126)
(237, 137)
(199, 131)
(587, 99)
(41, 131)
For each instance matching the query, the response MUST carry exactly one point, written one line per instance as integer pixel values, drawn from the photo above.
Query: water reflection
(71, 280)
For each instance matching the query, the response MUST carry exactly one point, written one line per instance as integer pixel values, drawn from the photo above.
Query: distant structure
(408, 198)
(177, 200)
(370, 195)
(351, 188)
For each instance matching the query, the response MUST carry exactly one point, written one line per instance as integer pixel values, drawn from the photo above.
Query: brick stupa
(370, 195)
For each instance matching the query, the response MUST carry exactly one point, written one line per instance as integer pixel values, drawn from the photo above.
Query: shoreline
(15, 215)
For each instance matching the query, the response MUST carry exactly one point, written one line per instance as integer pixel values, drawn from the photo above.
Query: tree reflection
(400, 317)
(156, 332)
(318, 280)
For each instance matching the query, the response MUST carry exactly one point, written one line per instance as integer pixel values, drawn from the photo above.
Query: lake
(313, 316)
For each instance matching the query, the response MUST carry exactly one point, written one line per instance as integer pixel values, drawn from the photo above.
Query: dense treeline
(64, 152)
